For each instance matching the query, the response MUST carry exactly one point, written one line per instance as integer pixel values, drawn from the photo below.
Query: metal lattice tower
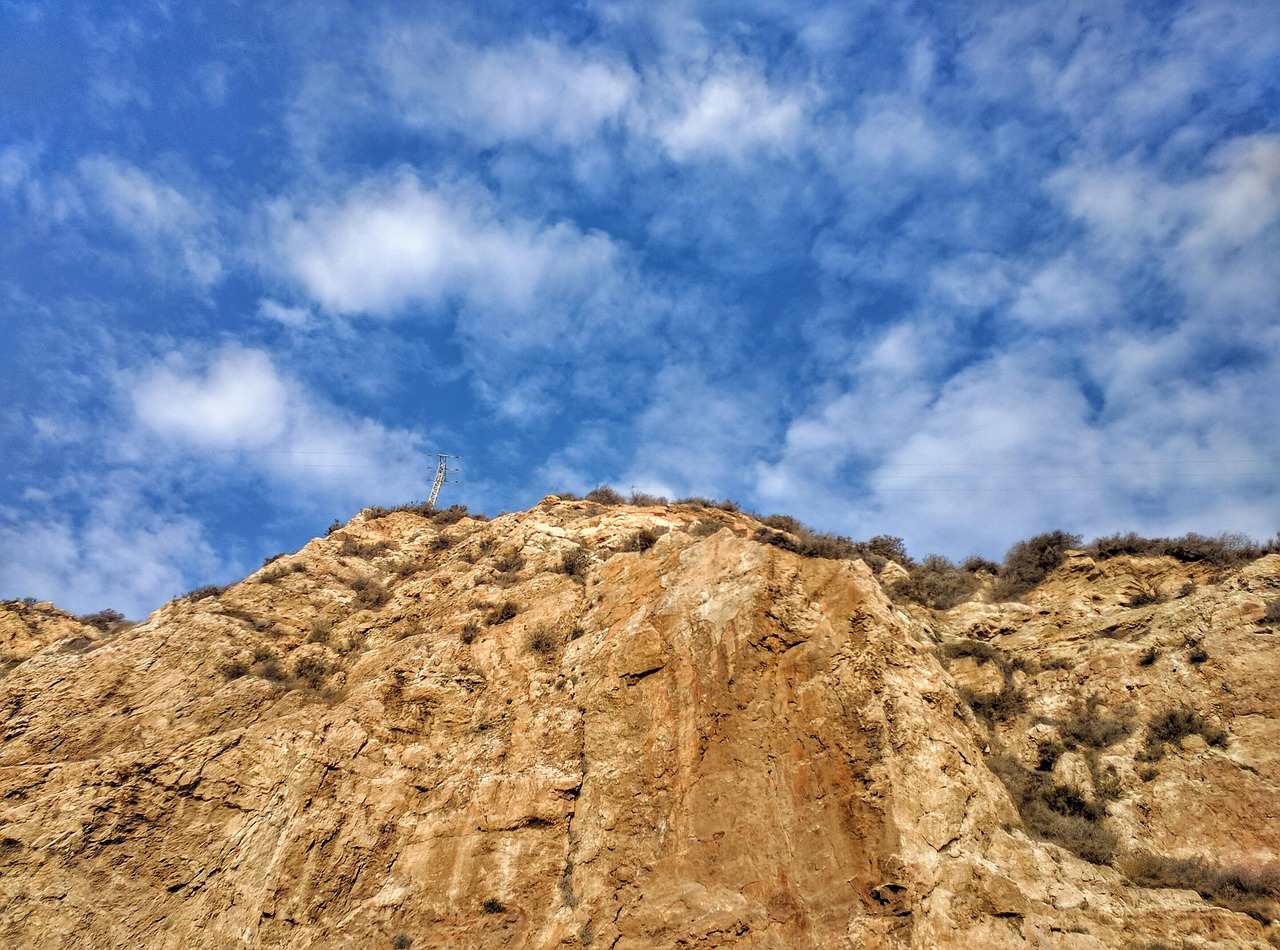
(441, 471)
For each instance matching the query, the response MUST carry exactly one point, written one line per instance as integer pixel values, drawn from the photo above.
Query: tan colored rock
(427, 732)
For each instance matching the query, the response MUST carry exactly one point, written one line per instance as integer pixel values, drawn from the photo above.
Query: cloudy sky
(960, 273)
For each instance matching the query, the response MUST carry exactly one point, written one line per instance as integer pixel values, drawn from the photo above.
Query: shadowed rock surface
(553, 730)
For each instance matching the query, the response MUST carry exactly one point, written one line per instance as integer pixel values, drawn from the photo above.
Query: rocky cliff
(630, 727)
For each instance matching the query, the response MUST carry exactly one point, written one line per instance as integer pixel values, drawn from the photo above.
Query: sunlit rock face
(630, 727)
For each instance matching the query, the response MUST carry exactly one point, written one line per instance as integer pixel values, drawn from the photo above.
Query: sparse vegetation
(351, 547)
(1057, 813)
(1224, 550)
(202, 593)
(1251, 890)
(311, 669)
(1029, 562)
(641, 540)
(644, 500)
(575, 562)
(103, 620)
(492, 906)
(1271, 612)
(369, 593)
(604, 495)
(1149, 656)
(402, 942)
(1175, 724)
(543, 641)
(468, 633)
(501, 612)
(320, 631)
(509, 563)
(937, 583)
(705, 527)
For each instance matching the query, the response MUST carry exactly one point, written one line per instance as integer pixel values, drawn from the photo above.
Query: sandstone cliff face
(613, 727)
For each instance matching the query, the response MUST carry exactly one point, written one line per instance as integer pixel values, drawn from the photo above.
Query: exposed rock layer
(473, 735)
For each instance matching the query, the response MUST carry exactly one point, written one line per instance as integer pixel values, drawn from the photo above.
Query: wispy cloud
(165, 223)
(390, 244)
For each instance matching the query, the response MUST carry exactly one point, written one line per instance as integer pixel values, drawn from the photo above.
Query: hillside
(634, 727)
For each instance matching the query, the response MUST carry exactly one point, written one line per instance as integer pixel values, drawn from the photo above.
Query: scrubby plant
(501, 612)
(1173, 725)
(575, 562)
(493, 906)
(369, 593)
(1090, 728)
(1029, 562)
(1271, 611)
(509, 563)
(641, 540)
(645, 500)
(104, 620)
(998, 706)
(468, 633)
(543, 641)
(1224, 550)
(1250, 889)
(311, 669)
(605, 495)
(402, 942)
(1057, 813)
(441, 542)
(937, 583)
(202, 593)
(975, 564)
(320, 630)
(705, 527)
(1149, 656)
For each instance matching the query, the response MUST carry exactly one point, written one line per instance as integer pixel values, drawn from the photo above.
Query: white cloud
(530, 90)
(392, 244)
(239, 402)
(1216, 236)
(292, 317)
(165, 222)
(123, 554)
(1064, 294)
(729, 113)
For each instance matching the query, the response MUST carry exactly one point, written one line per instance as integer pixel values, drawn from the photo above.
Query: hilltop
(647, 726)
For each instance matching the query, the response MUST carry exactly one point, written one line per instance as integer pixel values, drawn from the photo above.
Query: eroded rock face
(547, 731)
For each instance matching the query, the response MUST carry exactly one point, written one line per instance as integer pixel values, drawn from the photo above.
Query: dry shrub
(1251, 889)
(605, 495)
(320, 631)
(201, 593)
(705, 527)
(1029, 562)
(468, 633)
(501, 612)
(575, 562)
(1057, 813)
(641, 540)
(311, 669)
(1172, 726)
(645, 500)
(103, 620)
(543, 641)
(1224, 550)
(509, 563)
(937, 583)
(369, 593)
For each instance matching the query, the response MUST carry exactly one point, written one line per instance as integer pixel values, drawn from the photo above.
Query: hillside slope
(627, 728)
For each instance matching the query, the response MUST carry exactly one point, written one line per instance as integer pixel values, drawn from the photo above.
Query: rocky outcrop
(603, 726)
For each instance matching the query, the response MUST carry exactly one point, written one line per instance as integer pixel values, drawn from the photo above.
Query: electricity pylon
(441, 471)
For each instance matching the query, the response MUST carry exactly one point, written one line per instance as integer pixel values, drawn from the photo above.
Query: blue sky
(955, 272)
